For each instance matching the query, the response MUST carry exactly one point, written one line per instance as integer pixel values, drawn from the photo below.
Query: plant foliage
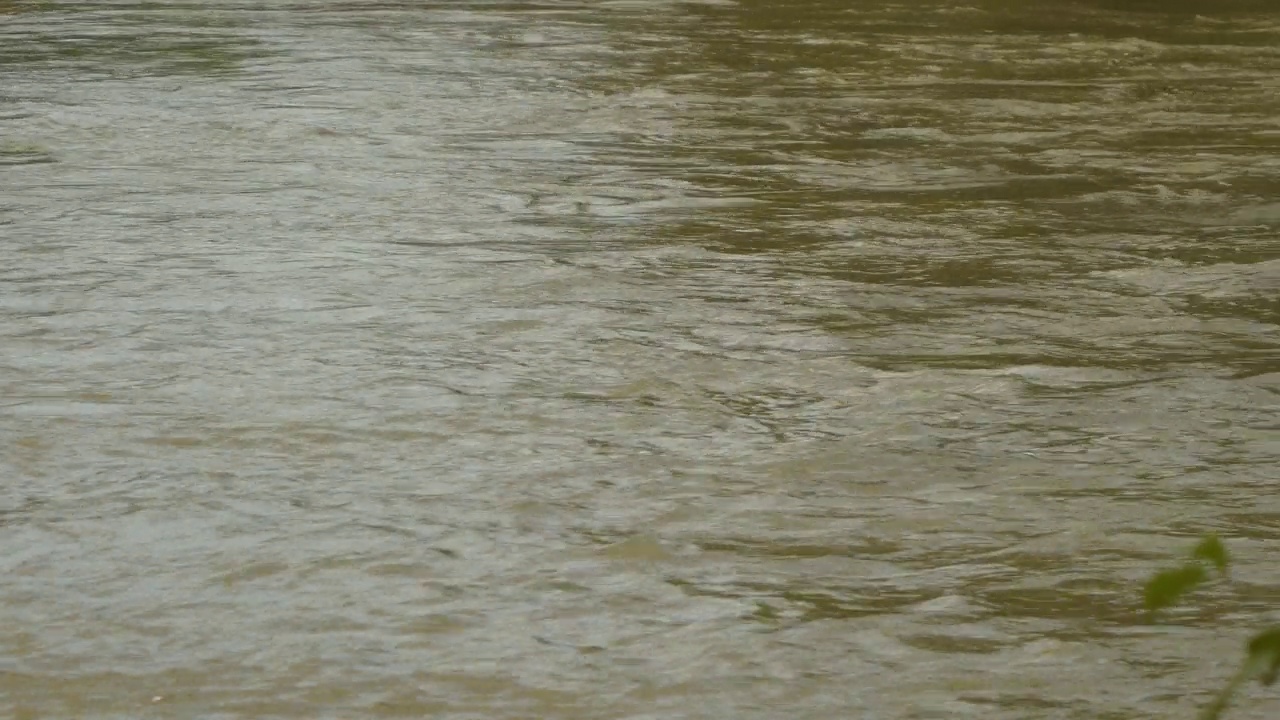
(1168, 587)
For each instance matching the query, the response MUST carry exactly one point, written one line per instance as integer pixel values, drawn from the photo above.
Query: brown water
(633, 359)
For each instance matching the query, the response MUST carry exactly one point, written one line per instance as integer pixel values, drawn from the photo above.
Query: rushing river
(584, 360)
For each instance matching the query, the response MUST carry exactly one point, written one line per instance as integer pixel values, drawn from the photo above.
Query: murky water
(633, 359)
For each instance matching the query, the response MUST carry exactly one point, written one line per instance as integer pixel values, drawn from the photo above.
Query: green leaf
(1264, 656)
(1168, 586)
(1211, 550)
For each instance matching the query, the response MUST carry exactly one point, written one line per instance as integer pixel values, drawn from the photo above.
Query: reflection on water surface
(640, 359)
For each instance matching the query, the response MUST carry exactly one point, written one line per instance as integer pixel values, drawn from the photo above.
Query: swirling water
(633, 359)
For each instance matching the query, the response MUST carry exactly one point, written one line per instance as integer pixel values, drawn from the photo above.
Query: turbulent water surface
(636, 359)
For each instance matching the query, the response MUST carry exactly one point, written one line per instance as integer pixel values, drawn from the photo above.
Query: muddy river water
(804, 359)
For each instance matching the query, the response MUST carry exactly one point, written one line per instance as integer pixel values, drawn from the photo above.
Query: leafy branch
(1167, 587)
